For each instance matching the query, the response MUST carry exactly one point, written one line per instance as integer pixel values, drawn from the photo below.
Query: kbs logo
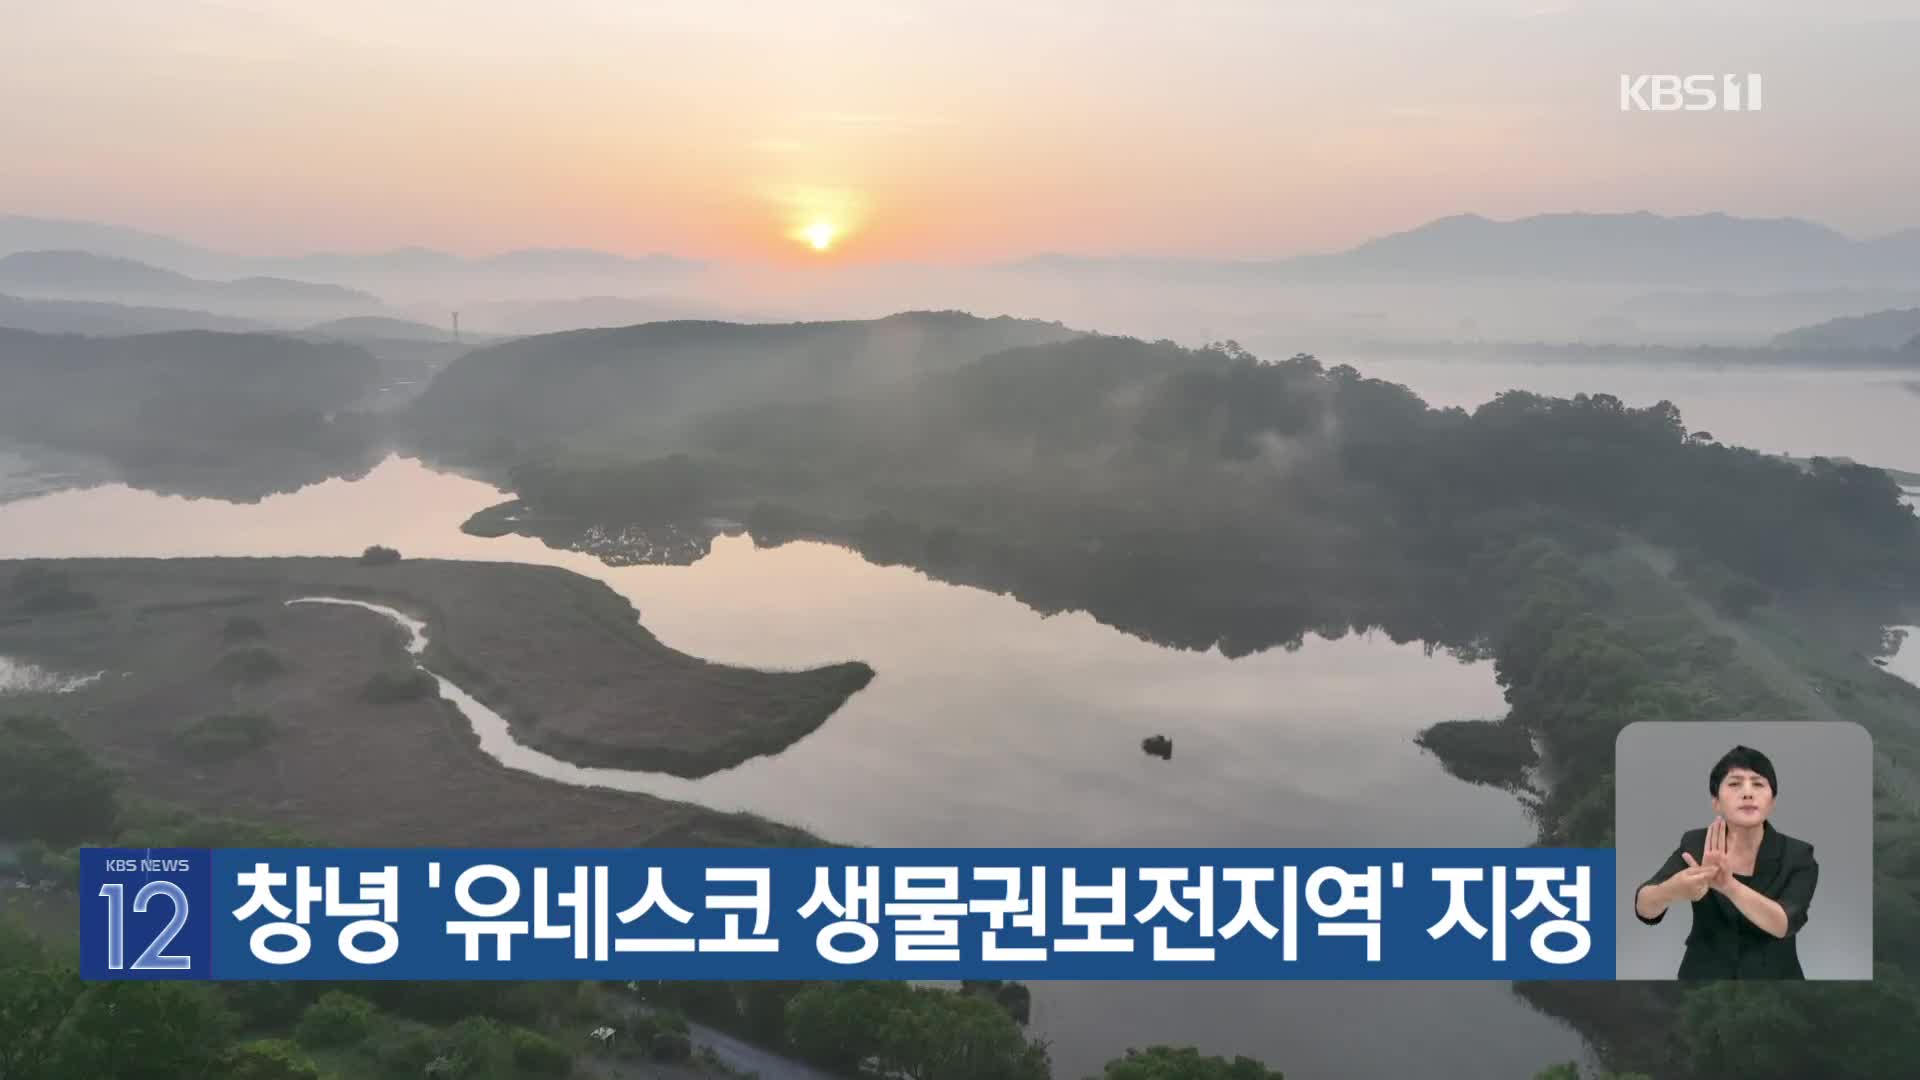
(1689, 93)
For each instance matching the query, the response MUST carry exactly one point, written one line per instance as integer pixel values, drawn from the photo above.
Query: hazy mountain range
(18, 234)
(108, 319)
(82, 273)
(1575, 246)
(378, 328)
(1880, 330)
(1636, 278)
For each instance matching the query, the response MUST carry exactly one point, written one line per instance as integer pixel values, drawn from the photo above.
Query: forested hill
(194, 411)
(54, 376)
(1791, 350)
(634, 385)
(1614, 565)
(1207, 497)
(1152, 433)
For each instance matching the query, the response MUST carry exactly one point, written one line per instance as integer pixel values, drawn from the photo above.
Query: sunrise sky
(932, 131)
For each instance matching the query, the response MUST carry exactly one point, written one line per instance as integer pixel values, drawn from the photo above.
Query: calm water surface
(988, 724)
(1871, 416)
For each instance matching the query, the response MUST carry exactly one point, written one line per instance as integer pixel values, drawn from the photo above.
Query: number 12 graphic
(152, 959)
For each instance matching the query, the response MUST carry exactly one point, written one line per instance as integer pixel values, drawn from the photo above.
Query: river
(1869, 416)
(990, 724)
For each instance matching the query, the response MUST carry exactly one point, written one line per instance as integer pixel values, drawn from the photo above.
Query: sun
(820, 234)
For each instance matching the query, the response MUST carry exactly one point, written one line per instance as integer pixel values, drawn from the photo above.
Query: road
(737, 1054)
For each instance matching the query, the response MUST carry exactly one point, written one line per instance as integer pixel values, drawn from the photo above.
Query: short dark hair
(1742, 757)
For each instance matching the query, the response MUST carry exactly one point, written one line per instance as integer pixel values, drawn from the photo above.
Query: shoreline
(411, 770)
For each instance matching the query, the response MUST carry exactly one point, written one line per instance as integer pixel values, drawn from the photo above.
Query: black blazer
(1723, 943)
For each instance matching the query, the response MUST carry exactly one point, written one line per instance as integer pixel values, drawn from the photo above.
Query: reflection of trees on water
(230, 472)
(226, 416)
(1188, 600)
(245, 479)
(1240, 607)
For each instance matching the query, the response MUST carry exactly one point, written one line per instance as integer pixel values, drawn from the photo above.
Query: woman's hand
(1717, 855)
(1693, 882)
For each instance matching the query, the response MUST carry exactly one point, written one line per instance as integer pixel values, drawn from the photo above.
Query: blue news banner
(827, 913)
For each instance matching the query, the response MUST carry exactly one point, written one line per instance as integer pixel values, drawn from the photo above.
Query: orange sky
(935, 131)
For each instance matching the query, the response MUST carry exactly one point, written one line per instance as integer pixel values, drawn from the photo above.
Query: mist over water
(866, 277)
(1871, 416)
(990, 724)
(986, 724)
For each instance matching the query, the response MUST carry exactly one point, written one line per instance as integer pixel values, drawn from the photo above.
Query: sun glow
(820, 234)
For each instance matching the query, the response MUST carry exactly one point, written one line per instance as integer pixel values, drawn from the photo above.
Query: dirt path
(737, 1054)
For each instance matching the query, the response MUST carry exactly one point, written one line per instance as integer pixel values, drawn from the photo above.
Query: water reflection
(1863, 415)
(991, 724)
(1274, 749)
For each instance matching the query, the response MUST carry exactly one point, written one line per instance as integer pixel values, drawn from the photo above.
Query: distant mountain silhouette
(100, 318)
(84, 274)
(580, 312)
(1701, 250)
(1610, 245)
(1642, 246)
(30, 234)
(1879, 330)
(19, 233)
(427, 261)
(571, 260)
(1901, 249)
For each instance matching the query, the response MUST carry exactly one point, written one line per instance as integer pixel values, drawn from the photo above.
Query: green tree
(40, 590)
(1570, 1071)
(1184, 1063)
(402, 1048)
(763, 1010)
(266, 1004)
(1011, 996)
(51, 788)
(337, 1019)
(535, 1055)
(268, 1059)
(1763, 1031)
(478, 1048)
(36, 996)
(144, 1031)
(909, 1031)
